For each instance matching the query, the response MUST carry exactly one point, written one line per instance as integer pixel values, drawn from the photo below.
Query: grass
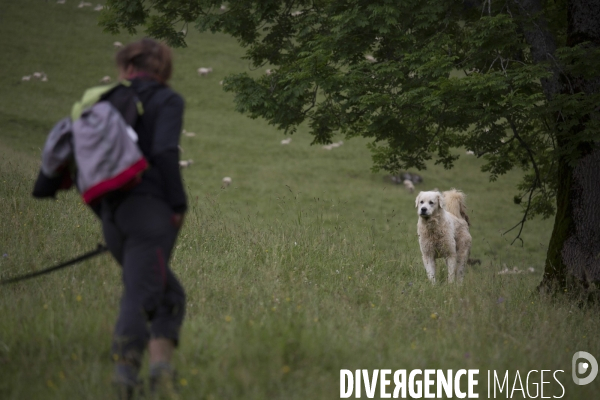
(307, 264)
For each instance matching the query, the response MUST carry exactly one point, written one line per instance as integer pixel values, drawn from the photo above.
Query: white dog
(443, 230)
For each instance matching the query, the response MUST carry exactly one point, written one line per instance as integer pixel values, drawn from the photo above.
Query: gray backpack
(95, 147)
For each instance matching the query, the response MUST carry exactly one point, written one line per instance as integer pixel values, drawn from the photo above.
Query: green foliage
(444, 74)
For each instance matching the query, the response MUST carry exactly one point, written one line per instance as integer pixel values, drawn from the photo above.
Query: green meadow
(308, 263)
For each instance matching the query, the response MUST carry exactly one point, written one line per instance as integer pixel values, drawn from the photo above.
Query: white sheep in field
(38, 75)
(185, 163)
(286, 141)
(296, 13)
(470, 153)
(60, 1)
(105, 79)
(117, 45)
(99, 7)
(409, 185)
(333, 145)
(223, 7)
(84, 4)
(268, 71)
(226, 182)
(370, 58)
(26, 78)
(204, 71)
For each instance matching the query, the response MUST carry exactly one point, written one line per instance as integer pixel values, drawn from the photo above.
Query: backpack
(95, 147)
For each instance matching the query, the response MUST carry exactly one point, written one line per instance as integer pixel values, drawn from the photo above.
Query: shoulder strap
(119, 94)
(126, 100)
(89, 98)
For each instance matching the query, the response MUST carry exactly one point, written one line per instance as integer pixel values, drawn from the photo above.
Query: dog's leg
(429, 263)
(463, 251)
(451, 264)
(460, 272)
(461, 261)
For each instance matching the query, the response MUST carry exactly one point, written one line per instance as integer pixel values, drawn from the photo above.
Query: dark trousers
(140, 235)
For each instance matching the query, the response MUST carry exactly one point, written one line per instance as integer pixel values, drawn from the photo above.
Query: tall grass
(307, 264)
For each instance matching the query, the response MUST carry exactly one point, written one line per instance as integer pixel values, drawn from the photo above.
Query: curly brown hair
(149, 56)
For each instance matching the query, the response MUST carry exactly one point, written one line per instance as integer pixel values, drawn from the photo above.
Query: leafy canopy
(418, 77)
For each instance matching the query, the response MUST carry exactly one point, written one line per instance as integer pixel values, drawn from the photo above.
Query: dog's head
(429, 203)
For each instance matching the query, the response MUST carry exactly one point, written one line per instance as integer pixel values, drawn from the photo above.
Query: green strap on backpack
(93, 95)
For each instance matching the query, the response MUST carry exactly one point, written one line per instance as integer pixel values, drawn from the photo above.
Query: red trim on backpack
(124, 178)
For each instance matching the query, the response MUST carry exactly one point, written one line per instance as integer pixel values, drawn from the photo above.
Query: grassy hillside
(308, 263)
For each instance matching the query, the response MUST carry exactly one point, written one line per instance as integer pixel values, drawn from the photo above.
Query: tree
(516, 81)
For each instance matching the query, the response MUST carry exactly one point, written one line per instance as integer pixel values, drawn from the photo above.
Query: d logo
(582, 368)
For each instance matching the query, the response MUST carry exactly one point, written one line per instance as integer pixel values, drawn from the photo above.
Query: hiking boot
(127, 391)
(126, 384)
(163, 382)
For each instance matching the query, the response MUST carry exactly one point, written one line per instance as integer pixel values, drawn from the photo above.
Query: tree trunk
(573, 259)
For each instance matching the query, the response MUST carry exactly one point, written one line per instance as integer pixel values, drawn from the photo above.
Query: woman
(141, 225)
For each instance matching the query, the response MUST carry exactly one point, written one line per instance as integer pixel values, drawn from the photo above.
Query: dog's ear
(441, 201)
(417, 200)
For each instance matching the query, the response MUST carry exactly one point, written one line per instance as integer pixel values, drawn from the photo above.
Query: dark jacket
(159, 129)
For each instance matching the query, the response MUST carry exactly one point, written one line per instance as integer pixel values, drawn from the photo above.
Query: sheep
(44, 78)
(505, 271)
(404, 176)
(515, 270)
(185, 163)
(286, 141)
(117, 45)
(470, 153)
(223, 7)
(411, 176)
(204, 71)
(105, 79)
(221, 83)
(370, 58)
(409, 185)
(297, 13)
(84, 4)
(268, 71)
(188, 134)
(60, 1)
(38, 75)
(226, 182)
(333, 145)
(99, 7)
(26, 78)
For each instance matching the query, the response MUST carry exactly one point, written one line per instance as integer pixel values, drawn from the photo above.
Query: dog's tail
(456, 204)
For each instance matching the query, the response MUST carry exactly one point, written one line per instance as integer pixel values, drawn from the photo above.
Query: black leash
(101, 249)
